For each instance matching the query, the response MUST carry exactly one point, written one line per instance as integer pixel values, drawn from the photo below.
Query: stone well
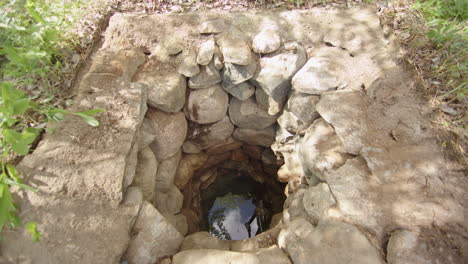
(314, 105)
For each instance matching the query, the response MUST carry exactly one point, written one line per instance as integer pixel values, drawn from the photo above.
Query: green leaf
(88, 119)
(13, 100)
(92, 112)
(20, 185)
(20, 142)
(6, 206)
(32, 229)
(13, 173)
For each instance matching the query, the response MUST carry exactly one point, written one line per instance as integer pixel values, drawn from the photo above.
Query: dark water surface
(228, 204)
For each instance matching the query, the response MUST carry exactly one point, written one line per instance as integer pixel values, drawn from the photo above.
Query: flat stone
(277, 69)
(271, 105)
(345, 111)
(263, 240)
(203, 240)
(155, 237)
(299, 112)
(165, 92)
(266, 41)
(321, 150)
(213, 26)
(75, 142)
(170, 129)
(207, 105)
(145, 176)
(263, 137)
(166, 172)
(206, 51)
(189, 66)
(207, 77)
(241, 91)
(212, 256)
(235, 74)
(206, 136)
(322, 72)
(121, 63)
(234, 49)
(247, 114)
(330, 242)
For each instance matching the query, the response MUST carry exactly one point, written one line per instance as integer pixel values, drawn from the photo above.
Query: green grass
(448, 30)
(33, 35)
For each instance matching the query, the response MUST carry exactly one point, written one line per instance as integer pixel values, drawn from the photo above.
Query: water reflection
(230, 215)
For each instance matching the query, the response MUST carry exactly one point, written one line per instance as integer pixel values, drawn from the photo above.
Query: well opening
(238, 206)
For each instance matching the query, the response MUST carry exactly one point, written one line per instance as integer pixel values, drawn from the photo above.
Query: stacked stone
(226, 119)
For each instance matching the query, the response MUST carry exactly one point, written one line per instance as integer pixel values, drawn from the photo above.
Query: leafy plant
(32, 229)
(31, 39)
(16, 139)
(447, 20)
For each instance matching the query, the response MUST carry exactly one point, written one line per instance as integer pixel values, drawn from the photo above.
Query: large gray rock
(266, 41)
(171, 130)
(323, 72)
(146, 134)
(207, 77)
(271, 105)
(235, 74)
(263, 137)
(345, 111)
(277, 69)
(331, 242)
(241, 91)
(299, 112)
(247, 114)
(293, 233)
(203, 240)
(407, 247)
(207, 105)
(213, 26)
(155, 237)
(166, 172)
(264, 240)
(187, 166)
(179, 221)
(189, 66)
(166, 92)
(205, 136)
(292, 167)
(169, 203)
(272, 255)
(317, 200)
(206, 51)
(235, 49)
(145, 176)
(321, 150)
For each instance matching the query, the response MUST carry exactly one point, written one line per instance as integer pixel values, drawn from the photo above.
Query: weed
(30, 58)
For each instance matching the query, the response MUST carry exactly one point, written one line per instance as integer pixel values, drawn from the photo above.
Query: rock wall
(318, 94)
